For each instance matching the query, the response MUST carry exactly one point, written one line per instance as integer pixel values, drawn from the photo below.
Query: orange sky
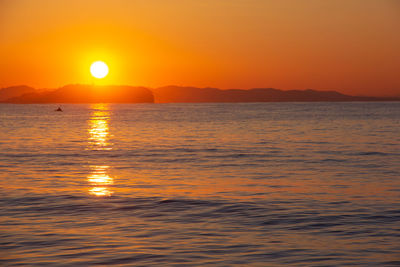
(352, 46)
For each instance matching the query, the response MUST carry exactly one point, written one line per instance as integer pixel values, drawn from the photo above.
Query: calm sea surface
(261, 184)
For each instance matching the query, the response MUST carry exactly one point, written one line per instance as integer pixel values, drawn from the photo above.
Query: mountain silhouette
(14, 91)
(88, 94)
(170, 94)
(178, 94)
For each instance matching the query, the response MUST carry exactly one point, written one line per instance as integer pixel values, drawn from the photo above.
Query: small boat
(59, 109)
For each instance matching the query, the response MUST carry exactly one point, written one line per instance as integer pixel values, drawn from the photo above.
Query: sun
(99, 69)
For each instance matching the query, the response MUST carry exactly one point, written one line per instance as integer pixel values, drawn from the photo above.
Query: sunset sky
(352, 46)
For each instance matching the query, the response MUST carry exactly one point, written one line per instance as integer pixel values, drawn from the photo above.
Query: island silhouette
(79, 93)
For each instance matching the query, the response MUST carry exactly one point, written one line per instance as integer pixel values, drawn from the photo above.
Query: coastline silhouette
(171, 94)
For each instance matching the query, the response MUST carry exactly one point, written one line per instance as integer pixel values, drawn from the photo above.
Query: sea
(212, 184)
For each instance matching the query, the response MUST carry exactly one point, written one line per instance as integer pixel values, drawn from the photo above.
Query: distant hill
(178, 94)
(88, 94)
(170, 94)
(14, 91)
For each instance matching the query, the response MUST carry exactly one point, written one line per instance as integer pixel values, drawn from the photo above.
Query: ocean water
(260, 184)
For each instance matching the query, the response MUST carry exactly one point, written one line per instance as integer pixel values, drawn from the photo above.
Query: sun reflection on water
(100, 181)
(99, 140)
(98, 128)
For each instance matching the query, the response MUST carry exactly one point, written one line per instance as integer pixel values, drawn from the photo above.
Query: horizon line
(202, 87)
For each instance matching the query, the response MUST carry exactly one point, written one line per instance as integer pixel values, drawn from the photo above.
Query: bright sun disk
(99, 69)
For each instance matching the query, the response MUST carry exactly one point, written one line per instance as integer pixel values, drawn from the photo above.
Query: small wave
(373, 153)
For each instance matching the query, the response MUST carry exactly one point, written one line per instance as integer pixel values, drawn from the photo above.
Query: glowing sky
(352, 46)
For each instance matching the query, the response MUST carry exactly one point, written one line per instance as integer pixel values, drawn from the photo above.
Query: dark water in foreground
(265, 184)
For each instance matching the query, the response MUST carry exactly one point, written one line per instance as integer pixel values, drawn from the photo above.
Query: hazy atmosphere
(351, 46)
(199, 133)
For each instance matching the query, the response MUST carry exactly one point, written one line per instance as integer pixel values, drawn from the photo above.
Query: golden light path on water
(99, 140)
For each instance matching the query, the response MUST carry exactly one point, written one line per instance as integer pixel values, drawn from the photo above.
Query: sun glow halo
(99, 69)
